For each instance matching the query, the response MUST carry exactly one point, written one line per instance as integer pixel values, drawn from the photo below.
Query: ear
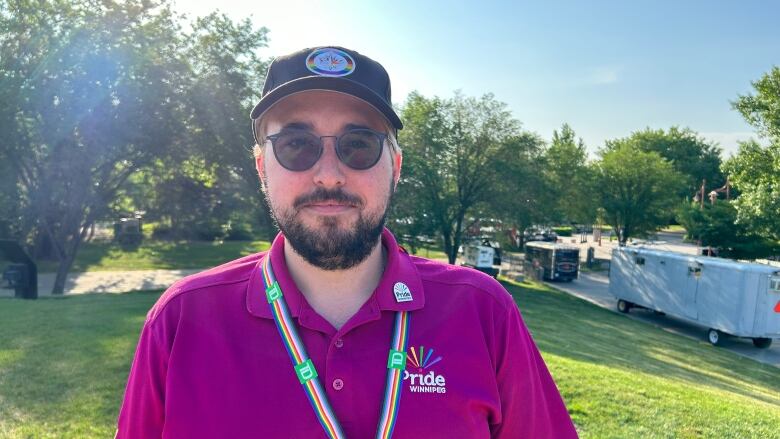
(260, 166)
(398, 159)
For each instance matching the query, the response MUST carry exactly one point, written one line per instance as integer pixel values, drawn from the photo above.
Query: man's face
(331, 215)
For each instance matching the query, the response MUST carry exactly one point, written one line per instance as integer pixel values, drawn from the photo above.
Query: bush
(162, 232)
(238, 232)
(562, 231)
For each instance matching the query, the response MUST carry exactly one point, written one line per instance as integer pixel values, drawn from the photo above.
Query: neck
(336, 294)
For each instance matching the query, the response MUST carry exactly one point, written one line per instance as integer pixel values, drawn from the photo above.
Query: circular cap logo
(330, 62)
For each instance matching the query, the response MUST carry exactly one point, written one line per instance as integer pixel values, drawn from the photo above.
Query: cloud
(602, 75)
(730, 141)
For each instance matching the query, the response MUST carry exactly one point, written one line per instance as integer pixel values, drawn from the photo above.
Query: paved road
(595, 289)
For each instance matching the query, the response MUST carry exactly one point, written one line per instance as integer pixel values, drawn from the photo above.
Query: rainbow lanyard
(307, 375)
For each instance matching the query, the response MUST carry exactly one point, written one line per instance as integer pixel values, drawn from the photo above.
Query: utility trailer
(728, 297)
(559, 262)
(481, 257)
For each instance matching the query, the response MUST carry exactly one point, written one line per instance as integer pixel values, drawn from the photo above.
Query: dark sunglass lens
(297, 151)
(360, 149)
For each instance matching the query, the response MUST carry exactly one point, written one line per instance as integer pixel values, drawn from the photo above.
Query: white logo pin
(402, 293)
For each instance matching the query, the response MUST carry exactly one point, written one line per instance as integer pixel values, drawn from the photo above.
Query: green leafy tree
(715, 226)
(523, 196)
(762, 109)
(451, 147)
(228, 78)
(91, 93)
(755, 170)
(206, 186)
(636, 189)
(569, 178)
(692, 156)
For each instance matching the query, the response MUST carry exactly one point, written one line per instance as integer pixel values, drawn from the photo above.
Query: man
(336, 331)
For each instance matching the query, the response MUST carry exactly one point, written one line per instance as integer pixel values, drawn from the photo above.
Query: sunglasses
(298, 150)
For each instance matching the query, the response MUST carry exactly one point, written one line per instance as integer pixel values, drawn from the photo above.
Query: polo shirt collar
(399, 272)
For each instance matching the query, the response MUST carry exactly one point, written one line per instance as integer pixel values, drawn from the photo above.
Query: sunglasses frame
(380, 136)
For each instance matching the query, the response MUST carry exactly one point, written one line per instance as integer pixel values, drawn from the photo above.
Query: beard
(331, 246)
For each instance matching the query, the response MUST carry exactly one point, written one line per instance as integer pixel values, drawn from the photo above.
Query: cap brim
(339, 84)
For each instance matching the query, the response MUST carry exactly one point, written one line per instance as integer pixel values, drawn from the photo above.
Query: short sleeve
(531, 406)
(143, 409)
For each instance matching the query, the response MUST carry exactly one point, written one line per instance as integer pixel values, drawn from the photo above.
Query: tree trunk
(456, 239)
(448, 249)
(62, 274)
(70, 250)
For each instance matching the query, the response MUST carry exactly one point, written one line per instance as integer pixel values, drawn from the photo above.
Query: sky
(607, 68)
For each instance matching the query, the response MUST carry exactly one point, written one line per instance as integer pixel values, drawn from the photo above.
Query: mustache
(321, 194)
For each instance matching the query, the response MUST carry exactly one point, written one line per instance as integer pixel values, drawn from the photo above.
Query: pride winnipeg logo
(421, 378)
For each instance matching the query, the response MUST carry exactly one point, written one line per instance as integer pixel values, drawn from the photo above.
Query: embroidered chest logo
(421, 377)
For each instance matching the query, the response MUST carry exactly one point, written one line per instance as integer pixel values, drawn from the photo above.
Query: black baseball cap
(328, 68)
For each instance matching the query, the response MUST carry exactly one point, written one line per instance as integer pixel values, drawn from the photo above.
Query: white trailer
(481, 258)
(728, 297)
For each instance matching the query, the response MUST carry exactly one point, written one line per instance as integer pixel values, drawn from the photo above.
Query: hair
(259, 130)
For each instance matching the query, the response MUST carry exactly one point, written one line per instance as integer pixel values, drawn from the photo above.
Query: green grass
(674, 228)
(64, 363)
(169, 255)
(431, 253)
(623, 378)
(157, 255)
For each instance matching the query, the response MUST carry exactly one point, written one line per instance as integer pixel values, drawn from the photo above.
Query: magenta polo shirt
(210, 362)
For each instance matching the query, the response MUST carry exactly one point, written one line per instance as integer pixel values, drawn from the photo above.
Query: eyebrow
(305, 126)
(297, 126)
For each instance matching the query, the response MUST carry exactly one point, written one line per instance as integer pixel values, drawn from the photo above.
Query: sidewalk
(109, 281)
(595, 289)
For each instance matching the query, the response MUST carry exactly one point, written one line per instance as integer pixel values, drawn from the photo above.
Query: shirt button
(339, 343)
(338, 384)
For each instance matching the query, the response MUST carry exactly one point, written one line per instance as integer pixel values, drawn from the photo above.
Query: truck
(728, 297)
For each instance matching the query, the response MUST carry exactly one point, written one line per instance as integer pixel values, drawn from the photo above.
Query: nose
(328, 171)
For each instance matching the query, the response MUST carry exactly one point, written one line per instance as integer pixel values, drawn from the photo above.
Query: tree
(568, 174)
(755, 170)
(206, 186)
(523, 196)
(451, 148)
(228, 78)
(91, 93)
(692, 156)
(637, 189)
(762, 110)
(715, 226)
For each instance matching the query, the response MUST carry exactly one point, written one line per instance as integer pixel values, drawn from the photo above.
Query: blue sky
(605, 67)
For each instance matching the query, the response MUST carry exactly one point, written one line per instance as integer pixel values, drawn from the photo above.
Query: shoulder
(230, 276)
(461, 283)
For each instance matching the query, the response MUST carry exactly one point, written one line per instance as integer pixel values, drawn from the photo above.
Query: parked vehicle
(539, 234)
(559, 262)
(481, 257)
(726, 296)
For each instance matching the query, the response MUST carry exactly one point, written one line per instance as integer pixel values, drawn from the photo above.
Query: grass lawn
(64, 362)
(163, 255)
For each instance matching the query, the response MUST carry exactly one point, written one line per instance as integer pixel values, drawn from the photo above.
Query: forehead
(323, 110)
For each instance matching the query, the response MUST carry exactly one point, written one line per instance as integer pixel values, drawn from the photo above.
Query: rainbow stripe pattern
(307, 375)
(396, 363)
(420, 362)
